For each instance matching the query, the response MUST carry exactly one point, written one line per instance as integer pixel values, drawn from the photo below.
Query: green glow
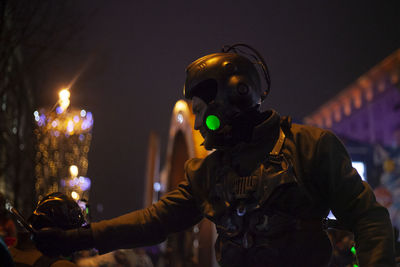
(213, 122)
(353, 250)
(87, 210)
(355, 265)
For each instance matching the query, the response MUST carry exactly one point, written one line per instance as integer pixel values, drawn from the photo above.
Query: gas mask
(230, 85)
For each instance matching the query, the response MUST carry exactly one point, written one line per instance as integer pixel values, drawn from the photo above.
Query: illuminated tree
(63, 138)
(31, 32)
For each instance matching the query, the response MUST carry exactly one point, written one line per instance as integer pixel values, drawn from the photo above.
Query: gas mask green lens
(213, 122)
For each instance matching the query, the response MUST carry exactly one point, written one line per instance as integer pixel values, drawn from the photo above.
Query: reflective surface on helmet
(57, 210)
(213, 123)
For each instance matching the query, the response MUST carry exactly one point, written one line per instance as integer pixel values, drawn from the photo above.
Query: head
(225, 89)
(57, 210)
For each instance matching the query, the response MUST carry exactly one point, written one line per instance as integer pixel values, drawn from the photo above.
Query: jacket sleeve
(353, 203)
(174, 212)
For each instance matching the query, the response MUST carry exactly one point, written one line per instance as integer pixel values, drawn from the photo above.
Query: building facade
(368, 110)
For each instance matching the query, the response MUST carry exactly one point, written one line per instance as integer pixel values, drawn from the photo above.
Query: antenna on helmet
(257, 57)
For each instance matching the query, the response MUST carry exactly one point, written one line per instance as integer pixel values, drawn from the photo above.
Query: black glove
(55, 241)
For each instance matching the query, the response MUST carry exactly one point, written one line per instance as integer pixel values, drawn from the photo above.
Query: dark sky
(139, 51)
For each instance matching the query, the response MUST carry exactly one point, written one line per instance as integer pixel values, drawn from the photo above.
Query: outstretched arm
(174, 212)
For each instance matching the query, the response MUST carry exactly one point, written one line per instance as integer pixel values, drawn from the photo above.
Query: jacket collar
(268, 130)
(245, 156)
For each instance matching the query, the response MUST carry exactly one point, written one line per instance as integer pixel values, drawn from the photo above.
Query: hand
(53, 242)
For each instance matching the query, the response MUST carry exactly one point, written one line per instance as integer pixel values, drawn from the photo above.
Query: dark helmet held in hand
(57, 210)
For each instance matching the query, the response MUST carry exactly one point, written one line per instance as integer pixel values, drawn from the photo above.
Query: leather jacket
(278, 217)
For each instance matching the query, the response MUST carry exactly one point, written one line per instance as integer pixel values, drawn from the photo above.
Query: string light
(73, 169)
(74, 195)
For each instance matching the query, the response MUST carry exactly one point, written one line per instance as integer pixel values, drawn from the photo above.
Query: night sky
(136, 53)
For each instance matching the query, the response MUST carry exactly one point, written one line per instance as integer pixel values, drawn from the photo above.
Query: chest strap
(278, 145)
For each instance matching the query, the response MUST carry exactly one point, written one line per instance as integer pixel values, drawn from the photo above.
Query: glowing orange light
(73, 169)
(356, 94)
(64, 95)
(181, 105)
(74, 195)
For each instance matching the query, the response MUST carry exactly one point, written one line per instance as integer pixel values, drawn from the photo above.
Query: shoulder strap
(278, 145)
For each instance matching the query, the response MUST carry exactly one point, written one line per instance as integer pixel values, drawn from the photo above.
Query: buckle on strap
(278, 145)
